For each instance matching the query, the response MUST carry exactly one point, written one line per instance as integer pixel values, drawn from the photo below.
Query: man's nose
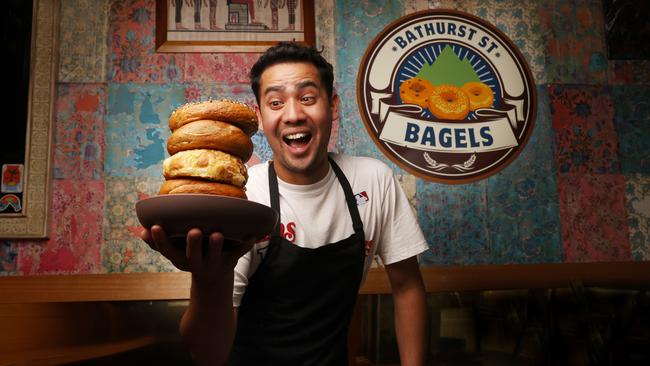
(294, 112)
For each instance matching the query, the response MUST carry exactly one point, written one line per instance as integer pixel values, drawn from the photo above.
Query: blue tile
(137, 127)
(523, 211)
(356, 26)
(632, 121)
(453, 219)
(8, 258)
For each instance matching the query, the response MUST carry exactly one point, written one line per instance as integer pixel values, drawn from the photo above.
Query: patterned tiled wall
(580, 190)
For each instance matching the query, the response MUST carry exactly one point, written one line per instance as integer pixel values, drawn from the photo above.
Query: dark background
(627, 29)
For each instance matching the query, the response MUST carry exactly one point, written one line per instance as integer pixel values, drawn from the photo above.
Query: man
(293, 295)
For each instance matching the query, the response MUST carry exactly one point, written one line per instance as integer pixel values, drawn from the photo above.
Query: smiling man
(288, 299)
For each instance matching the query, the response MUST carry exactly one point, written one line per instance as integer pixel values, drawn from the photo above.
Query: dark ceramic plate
(236, 218)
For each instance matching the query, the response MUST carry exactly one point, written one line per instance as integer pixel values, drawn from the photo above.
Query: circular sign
(446, 96)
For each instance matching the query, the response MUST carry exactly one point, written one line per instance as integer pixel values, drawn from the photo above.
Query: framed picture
(232, 25)
(25, 154)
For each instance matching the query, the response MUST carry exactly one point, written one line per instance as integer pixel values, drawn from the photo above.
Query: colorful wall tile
(632, 123)
(137, 127)
(79, 141)
(74, 244)
(83, 41)
(575, 48)
(585, 138)
(523, 212)
(594, 219)
(528, 33)
(133, 56)
(454, 220)
(637, 204)
(8, 258)
(356, 26)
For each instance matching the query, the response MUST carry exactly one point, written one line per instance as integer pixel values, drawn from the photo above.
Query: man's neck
(302, 178)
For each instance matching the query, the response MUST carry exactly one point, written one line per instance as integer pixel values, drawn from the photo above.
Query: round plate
(236, 218)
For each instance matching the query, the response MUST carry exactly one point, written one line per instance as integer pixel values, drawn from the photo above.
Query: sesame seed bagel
(207, 164)
(183, 186)
(216, 135)
(225, 110)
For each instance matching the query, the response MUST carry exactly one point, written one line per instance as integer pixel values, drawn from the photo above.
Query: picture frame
(232, 25)
(31, 222)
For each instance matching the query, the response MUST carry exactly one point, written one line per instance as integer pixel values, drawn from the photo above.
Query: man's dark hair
(292, 52)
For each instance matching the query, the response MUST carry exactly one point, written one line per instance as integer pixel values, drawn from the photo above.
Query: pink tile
(75, 241)
(228, 68)
(80, 139)
(593, 218)
(585, 138)
(134, 58)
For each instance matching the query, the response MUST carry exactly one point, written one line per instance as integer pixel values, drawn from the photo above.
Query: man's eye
(275, 103)
(308, 100)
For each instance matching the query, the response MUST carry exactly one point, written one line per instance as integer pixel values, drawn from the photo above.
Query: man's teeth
(295, 136)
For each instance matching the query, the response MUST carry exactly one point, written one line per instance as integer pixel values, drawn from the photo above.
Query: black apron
(298, 304)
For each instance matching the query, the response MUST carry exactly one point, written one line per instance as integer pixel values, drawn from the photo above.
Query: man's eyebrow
(300, 85)
(273, 88)
(307, 83)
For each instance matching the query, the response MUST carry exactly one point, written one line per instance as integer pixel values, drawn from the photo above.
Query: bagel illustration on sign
(446, 96)
(416, 91)
(449, 102)
(480, 95)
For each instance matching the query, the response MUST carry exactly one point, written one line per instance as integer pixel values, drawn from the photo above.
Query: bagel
(415, 91)
(206, 164)
(225, 110)
(480, 95)
(183, 186)
(449, 102)
(216, 135)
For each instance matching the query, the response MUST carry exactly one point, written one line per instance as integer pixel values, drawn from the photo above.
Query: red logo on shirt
(289, 231)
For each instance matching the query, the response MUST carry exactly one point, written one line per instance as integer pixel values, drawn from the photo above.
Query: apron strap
(275, 197)
(357, 224)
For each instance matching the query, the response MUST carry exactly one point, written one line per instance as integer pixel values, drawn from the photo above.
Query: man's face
(296, 117)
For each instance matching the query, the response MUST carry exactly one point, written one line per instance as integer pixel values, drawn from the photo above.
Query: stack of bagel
(209, 146)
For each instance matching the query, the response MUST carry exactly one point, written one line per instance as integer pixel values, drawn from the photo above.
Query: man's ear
(259, 117)
(335, 106)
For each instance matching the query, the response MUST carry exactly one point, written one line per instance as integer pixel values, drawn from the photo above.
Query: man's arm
(209, 323)
(410, 310)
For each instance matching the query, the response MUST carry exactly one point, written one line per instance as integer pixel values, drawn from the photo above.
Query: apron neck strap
(275, 196)
(351, 201)
(357, 224)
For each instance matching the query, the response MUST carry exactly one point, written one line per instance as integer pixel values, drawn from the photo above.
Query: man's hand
(206, 264)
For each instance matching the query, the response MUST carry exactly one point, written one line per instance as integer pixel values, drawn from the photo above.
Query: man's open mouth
(297, 139)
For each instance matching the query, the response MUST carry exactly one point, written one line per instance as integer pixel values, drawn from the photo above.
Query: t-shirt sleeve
(241, 278)
(401, 236)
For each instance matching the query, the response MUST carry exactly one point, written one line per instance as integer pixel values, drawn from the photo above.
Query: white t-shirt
(317, 214)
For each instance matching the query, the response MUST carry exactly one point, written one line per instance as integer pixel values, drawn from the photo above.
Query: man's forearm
(410, 326)
(410, 310)
(208, 325)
